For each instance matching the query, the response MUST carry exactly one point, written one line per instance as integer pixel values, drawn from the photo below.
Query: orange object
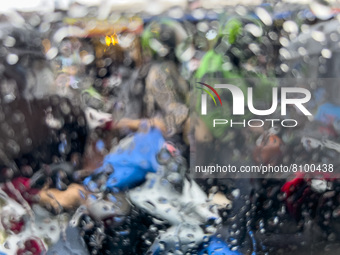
(69, 199)
(269, 151)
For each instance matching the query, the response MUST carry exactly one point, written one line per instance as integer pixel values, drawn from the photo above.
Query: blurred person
(154, 93)
(166, 92)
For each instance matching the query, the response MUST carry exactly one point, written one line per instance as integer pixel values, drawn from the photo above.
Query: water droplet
(326, 53)
(202, 27)
(272, 35)
(12, 59)
(264, 16)
(284, 67)
(227, 66)
(254, 30)
(302, 51)
(334, 37)
(284, 41)
(285, 54)
(52, 53)
(318, 36)
(13, 146)
(236, 193)
(88, 59)
(9, 41)
(198, 13)
(211, 34)
(290, 27)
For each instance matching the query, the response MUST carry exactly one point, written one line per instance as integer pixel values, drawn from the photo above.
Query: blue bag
(128, 165)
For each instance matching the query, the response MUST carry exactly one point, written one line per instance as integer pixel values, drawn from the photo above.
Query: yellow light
(111, 39)
(114, 39)
(107, 40)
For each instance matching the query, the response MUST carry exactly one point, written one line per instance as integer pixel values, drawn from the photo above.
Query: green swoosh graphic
(207, 91)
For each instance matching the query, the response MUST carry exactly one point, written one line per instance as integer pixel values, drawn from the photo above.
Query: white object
(159, 198)
(96, 118)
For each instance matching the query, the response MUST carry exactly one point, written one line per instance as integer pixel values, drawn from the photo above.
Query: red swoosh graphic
(213, 90)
